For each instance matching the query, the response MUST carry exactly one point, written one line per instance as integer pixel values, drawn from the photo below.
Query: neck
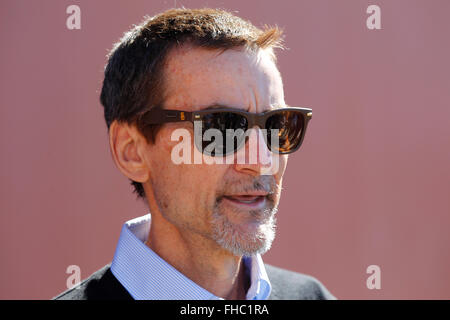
(199, 259)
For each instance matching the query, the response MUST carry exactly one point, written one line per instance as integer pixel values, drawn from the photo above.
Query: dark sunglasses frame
(157, 116)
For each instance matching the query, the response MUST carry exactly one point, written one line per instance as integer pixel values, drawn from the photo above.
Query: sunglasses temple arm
(177, 116)
(159, 116)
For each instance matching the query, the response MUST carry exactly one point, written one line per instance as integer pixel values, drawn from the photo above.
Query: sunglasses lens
(223, 133)
(289, 126)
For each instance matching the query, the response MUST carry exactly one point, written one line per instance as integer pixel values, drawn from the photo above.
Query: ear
(126, 147)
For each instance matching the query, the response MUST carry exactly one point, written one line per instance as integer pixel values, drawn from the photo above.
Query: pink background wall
(371, 184)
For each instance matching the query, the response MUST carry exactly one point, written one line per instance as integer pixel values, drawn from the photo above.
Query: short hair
(134, 73)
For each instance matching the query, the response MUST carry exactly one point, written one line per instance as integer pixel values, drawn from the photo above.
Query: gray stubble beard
(227, 235)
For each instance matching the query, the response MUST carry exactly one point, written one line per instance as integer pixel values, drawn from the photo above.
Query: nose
(256, 158)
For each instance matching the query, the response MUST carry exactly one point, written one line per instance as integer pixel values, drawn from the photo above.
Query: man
(211, 219)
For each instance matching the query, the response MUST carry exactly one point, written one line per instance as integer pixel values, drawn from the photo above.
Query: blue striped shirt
(146, 276)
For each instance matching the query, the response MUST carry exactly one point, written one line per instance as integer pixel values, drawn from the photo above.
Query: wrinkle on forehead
(198, 77)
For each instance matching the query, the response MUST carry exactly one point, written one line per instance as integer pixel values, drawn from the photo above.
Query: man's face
(231, 204)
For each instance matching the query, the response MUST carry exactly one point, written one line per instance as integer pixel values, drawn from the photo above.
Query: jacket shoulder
(101, 285)
(289, 285)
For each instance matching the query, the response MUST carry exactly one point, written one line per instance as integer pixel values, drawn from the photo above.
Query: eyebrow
(217, 106)
(221, 106)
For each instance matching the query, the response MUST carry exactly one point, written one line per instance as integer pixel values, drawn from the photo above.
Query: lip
(255, 201)
(251, 193)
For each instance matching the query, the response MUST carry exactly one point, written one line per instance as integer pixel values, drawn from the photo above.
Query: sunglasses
(288, 124)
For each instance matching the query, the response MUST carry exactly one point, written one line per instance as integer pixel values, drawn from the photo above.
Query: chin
(244, 239)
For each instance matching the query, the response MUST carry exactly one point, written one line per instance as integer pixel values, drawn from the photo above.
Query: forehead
(196, 78)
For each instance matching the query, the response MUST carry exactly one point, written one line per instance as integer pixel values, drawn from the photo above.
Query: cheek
(193, 184)
(283, 160)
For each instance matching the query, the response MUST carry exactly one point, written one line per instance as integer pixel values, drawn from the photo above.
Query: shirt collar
(146, 276)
